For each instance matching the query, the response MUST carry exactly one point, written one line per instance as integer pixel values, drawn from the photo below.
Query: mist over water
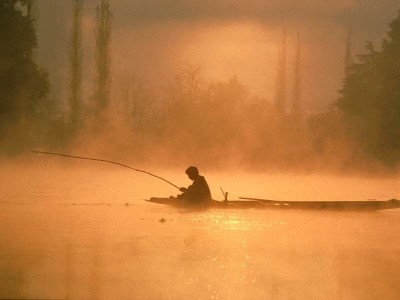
(84, 231)
(247, 92)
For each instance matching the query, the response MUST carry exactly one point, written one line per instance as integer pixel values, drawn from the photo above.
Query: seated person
(198, 192)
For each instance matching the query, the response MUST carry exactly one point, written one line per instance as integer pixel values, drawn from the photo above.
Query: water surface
(86, 233)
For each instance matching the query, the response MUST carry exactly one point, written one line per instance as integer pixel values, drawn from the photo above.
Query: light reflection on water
(88, 234)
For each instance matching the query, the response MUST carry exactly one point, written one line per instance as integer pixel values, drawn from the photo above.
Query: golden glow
(221, 50)
(243, 49)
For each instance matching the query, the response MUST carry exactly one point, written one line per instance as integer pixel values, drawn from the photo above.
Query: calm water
(85, 233)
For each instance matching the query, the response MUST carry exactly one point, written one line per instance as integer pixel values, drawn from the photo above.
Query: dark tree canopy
(23, 85)
(370, 98)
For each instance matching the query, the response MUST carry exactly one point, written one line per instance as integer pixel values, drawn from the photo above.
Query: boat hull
(276, 204)
(209, 204)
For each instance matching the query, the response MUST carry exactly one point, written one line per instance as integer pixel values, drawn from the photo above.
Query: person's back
(198, 192)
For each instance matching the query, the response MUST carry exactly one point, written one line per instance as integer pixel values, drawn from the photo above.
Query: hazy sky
(153, 39)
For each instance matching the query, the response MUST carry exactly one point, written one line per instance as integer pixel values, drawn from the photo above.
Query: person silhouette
(198, 192)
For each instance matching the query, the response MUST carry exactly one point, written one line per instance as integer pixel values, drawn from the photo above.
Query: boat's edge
(344, 205)
(278, 204)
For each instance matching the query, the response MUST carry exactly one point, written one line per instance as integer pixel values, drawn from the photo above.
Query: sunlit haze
(200, 149)
(154, 39)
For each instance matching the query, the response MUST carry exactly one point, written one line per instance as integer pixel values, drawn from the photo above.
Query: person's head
(192, 172)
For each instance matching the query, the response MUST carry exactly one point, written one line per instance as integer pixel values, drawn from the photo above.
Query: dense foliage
(189, 118)
(370, 98)
(23, 85)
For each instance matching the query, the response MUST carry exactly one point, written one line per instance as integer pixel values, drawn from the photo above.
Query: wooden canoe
(370, 205)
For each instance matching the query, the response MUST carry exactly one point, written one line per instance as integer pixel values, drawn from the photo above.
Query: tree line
(191, 117)
(370, 98)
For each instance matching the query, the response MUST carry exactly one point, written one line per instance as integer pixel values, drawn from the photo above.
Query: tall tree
(23, 85)
(103, 58)
(75, 59)
(33, 16)
(348, 57)
(296, 109)
(370, 98)
(280, 96)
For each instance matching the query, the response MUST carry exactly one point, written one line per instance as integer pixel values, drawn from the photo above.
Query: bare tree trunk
(348, 58)
(103, 59)
(297, 105)
(75, 58)
(280, 97)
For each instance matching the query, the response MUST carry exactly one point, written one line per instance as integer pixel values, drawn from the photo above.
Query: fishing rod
(105, 161)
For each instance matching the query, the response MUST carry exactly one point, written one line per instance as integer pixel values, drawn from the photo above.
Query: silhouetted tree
(132, 104)
(348, 57)
(23, 85)
(296, 109)
(75, 60)
(370, 98)
(280, 96)
(32, 12)
(103, 57)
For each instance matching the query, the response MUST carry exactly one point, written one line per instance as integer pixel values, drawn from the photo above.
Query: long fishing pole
(105, 161)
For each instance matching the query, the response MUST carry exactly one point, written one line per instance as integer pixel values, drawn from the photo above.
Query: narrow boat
(209, 204)
(370, 205)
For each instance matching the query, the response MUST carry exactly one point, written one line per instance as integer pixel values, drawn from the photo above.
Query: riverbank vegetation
(191, 118)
